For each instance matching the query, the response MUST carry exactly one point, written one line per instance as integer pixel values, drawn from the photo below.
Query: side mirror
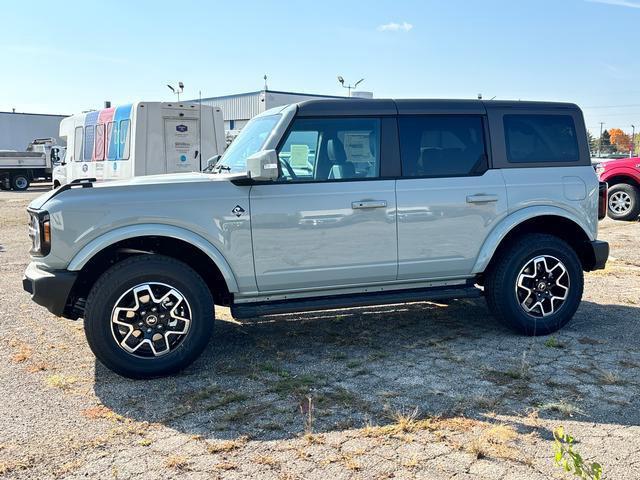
(212, 162)
(263, 166)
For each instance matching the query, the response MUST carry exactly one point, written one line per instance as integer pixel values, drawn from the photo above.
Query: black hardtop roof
(365, 106)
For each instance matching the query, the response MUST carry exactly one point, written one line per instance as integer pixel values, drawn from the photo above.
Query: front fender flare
(502, 229)
(98, 244)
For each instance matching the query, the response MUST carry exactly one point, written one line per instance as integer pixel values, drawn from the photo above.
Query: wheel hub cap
(619, 202)
(150, 319)
(542, 286)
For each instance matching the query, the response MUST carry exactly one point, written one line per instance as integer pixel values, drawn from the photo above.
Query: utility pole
(600, 139)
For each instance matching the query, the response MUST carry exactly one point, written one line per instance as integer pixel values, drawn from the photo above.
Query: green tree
(593, 143)
(605, 143)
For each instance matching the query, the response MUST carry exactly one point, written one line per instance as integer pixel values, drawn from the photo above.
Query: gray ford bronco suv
(329, 204)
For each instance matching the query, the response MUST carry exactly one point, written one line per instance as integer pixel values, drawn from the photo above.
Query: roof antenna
(266, 87)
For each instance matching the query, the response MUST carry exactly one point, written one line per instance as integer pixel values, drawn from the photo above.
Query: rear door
(330, 219)
(181, 137)
(448, 199)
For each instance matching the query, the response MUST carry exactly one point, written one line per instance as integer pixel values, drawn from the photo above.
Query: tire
(504, 297)
(623, 202)
(159, 274)
(20, 182)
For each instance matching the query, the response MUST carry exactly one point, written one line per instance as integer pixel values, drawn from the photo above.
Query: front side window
(77, 144)
(442, 145)
(250, 141)
(540, 138)
(331, 149)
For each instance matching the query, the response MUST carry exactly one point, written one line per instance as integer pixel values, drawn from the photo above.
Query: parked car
(375, 202)
(623, 178)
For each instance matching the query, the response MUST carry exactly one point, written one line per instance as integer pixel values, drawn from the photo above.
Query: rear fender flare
(502, 229)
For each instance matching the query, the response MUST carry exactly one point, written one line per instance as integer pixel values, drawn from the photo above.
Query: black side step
(251, 310)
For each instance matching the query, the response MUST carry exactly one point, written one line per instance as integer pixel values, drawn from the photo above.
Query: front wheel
(624, 202)
(536, 285)
(20, 182)
(148, 316)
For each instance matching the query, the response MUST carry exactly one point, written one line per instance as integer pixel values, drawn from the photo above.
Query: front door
(448, 199)
(329, 221)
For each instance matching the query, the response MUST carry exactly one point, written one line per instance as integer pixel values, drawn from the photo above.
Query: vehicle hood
(171, 182)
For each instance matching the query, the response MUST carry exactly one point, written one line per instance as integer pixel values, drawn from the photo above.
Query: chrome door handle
(481, 198)
(369, 204)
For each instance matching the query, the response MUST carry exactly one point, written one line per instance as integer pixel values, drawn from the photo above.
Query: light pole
(633, 141)
(600, 140)
(178, 90)
(349, 87)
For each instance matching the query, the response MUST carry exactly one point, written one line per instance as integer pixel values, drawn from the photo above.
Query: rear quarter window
(541, 139)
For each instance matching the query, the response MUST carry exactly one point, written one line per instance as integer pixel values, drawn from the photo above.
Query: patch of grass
(412, 462)
(227, 399)
(22, 354)
(226, 445)
(563, 407)
(295, 385)
(145, 442)
(351, 364)
(101, 411)
(61, 381)
(553, 342)
(266, 460)
(226, 466)
(270, 367)
(177, 462)
(494, 442)
(611, 378)
(628, 364)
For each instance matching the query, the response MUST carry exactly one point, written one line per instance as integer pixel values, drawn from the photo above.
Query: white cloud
(395, 27)
(618, 3)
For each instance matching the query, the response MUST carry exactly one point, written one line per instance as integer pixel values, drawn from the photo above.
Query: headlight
(40, 233)
(599, 168)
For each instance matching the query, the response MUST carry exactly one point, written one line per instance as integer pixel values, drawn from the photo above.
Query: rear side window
(442, 145)
(540, 138)
(89, 137)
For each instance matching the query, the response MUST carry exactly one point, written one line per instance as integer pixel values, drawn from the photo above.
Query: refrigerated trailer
(143, 138)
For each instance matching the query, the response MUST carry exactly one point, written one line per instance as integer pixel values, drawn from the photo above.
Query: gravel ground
(423, 390)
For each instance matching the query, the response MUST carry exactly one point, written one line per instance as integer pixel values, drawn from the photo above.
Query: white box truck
(143, 138)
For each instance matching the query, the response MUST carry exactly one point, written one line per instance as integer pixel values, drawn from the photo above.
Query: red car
(623, 177)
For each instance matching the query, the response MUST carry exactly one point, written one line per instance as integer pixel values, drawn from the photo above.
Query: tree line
(614, 141)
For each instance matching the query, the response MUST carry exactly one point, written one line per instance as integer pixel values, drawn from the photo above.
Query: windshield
(250, 141)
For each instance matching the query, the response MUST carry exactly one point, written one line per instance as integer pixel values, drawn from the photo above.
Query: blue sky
(64, 57)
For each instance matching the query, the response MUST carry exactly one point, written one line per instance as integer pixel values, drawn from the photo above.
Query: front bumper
(49, 289)
(600, 251)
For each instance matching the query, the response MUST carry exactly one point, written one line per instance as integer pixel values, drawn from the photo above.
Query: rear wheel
(624, 202)
(20, 182)
(148, 316)
(536, 285)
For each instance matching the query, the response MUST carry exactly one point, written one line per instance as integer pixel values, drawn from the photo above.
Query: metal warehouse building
(238, 109)
(18, 129)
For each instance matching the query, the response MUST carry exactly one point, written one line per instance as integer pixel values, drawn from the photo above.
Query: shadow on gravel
(369, 365)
